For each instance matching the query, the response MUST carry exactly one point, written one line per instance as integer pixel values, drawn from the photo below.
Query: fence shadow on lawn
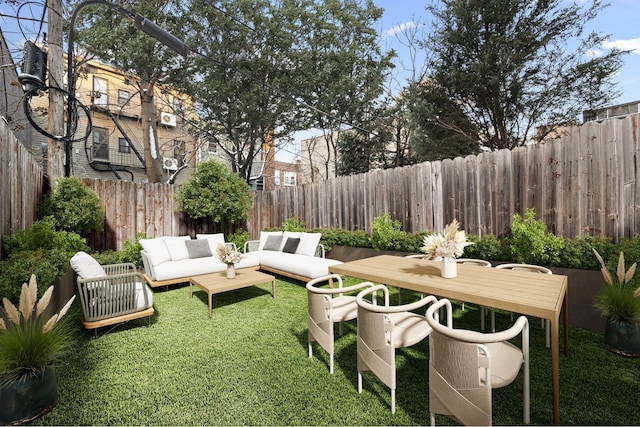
(249, 365)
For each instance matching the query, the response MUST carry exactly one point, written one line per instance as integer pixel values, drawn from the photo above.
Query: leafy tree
(213, 191)
(342, 69)
(502, 68)
(73, 206)
(112, 37)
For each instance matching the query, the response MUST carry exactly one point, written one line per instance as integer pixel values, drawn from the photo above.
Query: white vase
(449, 268)
(231, 271)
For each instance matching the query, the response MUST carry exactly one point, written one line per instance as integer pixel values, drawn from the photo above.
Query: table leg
(273, 288)
(565, 309)
(555, 369)
(210, 303)
(190, 289)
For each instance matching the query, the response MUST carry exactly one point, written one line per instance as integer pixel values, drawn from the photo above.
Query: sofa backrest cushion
(273, 243)
(156, 250)
(198, 248)
(86, 266)
(176, 247)
(213, 239)
(308, 243)
(291, 245)
(263, 238)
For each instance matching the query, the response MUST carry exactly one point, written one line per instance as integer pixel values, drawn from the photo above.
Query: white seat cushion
(86, 266)
(408, 328)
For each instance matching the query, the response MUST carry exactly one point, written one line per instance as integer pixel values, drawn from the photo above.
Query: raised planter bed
(583, 286)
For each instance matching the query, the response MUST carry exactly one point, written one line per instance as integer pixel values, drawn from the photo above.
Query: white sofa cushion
(86, 266)
(156, 250)
(264, 235)
(308, 243)
(214, 240)
(310, 267)
(176, 247)
(194, 267)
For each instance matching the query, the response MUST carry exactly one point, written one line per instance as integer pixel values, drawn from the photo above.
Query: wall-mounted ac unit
(169, 163)
(168, 119)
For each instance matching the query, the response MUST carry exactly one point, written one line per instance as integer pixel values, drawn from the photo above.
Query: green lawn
(248, 365)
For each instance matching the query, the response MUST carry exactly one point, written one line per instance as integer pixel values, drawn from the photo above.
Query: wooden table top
(525, 292)
(218, 282)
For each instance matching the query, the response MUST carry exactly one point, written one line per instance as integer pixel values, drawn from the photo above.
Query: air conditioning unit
(169, 163)
(168, 119)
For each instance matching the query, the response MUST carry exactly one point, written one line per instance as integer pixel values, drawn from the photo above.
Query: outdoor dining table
(528, 293)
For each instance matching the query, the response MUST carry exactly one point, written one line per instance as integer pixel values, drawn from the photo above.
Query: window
(123, 96)
(177, 105)
(276, 177)
(100, 96)
(290, 179)
(100, 145)
(213, 148)
(123, 146)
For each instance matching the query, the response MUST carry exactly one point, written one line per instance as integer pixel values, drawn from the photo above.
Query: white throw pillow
(264, 235)
(308, 243)
(86, 266)
(214, 240)
(156, 250)
(176, 247)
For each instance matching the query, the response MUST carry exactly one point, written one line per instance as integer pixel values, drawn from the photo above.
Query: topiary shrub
(74, 207)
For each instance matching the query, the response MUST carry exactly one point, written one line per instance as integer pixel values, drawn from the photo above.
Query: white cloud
(631, 44)
(594, 53)
(400, 28)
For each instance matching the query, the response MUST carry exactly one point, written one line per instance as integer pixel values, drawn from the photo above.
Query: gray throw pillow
(198, 248)
(291, 245)
(272, 243)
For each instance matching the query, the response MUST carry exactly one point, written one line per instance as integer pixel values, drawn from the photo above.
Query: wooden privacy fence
(21, 185)
(583, 183)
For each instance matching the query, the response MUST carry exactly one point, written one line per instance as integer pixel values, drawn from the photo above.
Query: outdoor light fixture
(140, 22)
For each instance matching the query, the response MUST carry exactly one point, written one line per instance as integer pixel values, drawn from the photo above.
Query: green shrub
(239, 237)
(47, 264)
(131, 250)
(487, 247)
(108, 257)
(386, 233)
(342, 237)
(578, 252)
(294, 224)
(42, 235)
(529, 242)
(74, 207)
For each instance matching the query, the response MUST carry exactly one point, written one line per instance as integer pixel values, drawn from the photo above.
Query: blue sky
(621, 20)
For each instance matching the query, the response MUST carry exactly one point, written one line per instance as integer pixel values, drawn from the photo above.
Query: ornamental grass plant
(249, 365)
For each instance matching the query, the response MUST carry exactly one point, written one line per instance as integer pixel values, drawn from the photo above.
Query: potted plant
(31, 340)
(619, 302)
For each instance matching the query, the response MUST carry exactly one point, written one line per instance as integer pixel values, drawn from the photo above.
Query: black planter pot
(622, 337)
(29, 398)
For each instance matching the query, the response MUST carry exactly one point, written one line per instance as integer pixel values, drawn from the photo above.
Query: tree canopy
(503, 70)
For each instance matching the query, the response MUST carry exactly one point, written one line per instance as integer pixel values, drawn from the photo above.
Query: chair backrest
(525, 267)
(472, 261)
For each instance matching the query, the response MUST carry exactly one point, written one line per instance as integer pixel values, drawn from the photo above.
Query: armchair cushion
(198, 248)
(86, 266)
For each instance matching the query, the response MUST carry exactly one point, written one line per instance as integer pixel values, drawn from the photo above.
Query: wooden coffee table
(216, 283)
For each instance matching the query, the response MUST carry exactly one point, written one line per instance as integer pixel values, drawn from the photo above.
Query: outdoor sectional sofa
(170, 260)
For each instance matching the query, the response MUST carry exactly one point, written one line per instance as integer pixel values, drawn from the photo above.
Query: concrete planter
(583, 286)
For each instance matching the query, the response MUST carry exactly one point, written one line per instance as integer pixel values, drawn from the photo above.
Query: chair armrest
(146, 264)
(251, 246)
(320, 252)
(231, 246)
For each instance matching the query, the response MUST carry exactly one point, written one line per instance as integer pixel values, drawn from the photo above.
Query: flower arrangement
(227, 255)
(451, 244)
(28, 341)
